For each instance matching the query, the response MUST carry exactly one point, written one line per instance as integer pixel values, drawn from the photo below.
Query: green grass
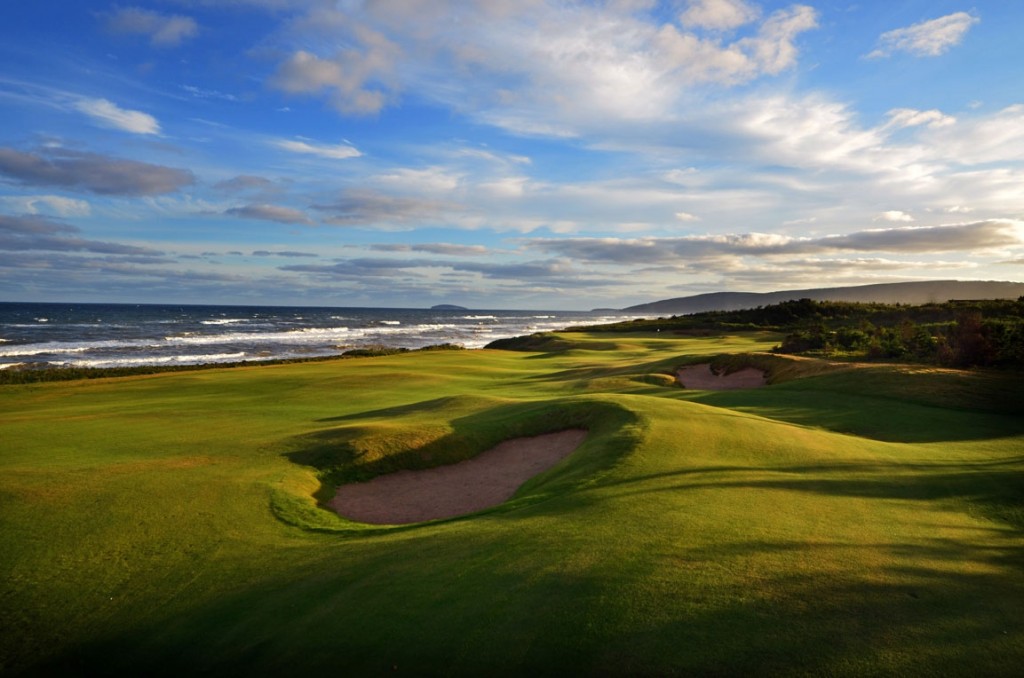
(847, 520)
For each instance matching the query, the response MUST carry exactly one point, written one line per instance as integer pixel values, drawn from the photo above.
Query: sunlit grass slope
(843, 521)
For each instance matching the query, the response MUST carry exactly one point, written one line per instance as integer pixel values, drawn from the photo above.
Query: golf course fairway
(844, 520)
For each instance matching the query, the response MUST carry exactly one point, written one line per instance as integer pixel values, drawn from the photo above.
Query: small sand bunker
(486, 480)
(701, 377)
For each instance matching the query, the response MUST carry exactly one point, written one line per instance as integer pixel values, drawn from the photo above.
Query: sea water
(124, 335)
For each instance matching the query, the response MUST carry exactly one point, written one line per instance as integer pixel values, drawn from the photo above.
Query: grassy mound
(537, 342)
(412, 438)
(841, 521)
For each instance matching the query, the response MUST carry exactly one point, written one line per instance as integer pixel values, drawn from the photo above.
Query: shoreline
(119, 336)
(34, 373)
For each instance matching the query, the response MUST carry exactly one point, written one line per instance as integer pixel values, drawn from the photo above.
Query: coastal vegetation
(850, 518)
(953, 334)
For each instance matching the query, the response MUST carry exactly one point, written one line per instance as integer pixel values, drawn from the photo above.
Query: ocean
(125, 335)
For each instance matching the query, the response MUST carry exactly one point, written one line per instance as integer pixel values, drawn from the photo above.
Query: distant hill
(893, 293)
(448, 307)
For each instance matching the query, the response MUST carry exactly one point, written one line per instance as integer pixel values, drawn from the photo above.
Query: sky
(504, 154)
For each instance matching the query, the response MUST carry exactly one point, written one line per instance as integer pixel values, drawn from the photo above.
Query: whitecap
(60, 347)
(223, 321)
(157, 360)
(302, 336)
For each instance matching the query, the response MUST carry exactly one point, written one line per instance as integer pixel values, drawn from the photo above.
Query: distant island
(448, 307)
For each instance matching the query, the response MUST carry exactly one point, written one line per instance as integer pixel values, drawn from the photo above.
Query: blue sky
(504, 154)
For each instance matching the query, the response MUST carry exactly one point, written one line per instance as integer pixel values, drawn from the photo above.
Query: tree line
(960, 333)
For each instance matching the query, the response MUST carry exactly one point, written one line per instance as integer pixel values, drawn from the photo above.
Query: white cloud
(921, 159)
(773, 50)
(163, 30)
(46, 204)
(718, 15)
(507, 187)
(108, 114)
(894, 216)
(683, 177)
(928, 38)
(491, 156)
(985, 139)
(686, 216)
(689, 59)
(429, 180)
(806, 132)
(694, 60)
(773, 162)
(359, 80)
(333, 152)
(539, 68)
(909, 117)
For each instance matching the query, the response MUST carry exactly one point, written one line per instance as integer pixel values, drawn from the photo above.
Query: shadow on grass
(443, 406)
(938, 607)
(868, 417)
(508, 600)
(895, 403)
(993, 488)
(583, 375)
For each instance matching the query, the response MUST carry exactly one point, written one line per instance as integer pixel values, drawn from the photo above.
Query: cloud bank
(966, 237)
(163, 30)
(91, 172)
(29, 233)
(283, 215)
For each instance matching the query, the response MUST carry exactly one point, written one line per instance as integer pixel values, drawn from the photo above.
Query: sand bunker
(447, 491)
(701, 377)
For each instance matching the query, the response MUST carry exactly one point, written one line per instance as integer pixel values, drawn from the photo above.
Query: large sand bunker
(447, 491)
(702, 377)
